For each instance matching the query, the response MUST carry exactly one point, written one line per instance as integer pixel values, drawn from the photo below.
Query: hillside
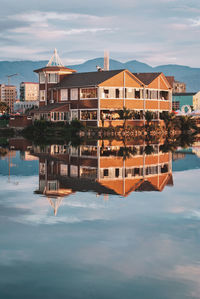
(191, 76)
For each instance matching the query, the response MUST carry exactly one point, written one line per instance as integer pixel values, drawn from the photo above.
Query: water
(98, 221)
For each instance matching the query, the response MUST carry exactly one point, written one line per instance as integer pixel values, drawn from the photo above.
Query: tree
(3, 107)
(170, 120)
(149, 149)
(187, 123)
(148, 117)
(125, 114)
(127, 152)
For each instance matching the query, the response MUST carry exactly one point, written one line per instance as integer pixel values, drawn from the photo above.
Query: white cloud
(37, 16)
(195, 22)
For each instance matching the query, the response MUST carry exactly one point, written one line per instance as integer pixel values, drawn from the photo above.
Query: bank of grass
(44, 131)
(3, 123)
(3, 141)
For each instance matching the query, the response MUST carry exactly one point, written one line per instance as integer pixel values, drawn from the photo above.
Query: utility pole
(9, 76)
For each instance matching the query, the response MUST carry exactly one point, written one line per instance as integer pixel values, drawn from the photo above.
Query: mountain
(189, 75)
(24, 69)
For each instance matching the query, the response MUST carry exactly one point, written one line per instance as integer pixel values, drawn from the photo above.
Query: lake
(101, 220)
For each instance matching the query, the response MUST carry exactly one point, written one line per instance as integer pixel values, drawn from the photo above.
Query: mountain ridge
(25, 68)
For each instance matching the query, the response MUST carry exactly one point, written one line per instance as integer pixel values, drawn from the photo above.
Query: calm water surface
(73, 225)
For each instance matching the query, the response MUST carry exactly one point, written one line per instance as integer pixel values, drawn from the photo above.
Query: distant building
(29, 91)
(196, 101)
(191, 99)
(22, 107)
(177, 86)
(8, 95)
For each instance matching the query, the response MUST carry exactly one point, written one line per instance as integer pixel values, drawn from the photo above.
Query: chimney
(106, 61)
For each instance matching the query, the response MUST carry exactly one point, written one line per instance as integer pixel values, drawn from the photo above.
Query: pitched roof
(54, 68)
(147, 186)
(170, 79)
(50, 107)
(146, 78)
(184, 94)
(87, 79)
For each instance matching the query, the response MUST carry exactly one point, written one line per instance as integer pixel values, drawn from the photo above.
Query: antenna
(55, 60)
(106, 61)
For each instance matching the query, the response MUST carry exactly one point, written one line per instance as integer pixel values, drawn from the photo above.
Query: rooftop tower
(106, 61)
(55, 60)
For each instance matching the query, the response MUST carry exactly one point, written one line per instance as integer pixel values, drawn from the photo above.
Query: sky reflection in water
(145, 245)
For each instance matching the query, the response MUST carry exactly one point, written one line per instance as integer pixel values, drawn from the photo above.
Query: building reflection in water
(104, 167)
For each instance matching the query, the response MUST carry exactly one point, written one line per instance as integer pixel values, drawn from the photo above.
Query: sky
(156, 32)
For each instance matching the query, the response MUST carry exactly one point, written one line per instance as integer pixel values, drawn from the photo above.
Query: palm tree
(148, 117)
(170, 120)
(149, 149)
(3, 107)
(125, 114)
(187, 123)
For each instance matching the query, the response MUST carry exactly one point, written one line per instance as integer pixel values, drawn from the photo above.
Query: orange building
(95, 98)
(8, 95)
(104, 168)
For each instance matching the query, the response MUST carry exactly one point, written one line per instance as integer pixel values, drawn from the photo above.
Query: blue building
(181, 99)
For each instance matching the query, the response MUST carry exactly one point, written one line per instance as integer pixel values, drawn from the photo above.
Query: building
(177, 86)
(100, 167)
(22, 107)
(29, 91)
(196, 101)
(95, 98)
(8, 95)
(192, 99)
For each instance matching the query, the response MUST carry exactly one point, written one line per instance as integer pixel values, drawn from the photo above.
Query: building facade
(192, 99)
(29, 91)
(101, 168)
(96, 98)
(177, 86)
(8, 95)
(22, 107)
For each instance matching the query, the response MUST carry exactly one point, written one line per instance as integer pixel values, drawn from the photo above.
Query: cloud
(142, 30)
(38, 16)
(195, 22)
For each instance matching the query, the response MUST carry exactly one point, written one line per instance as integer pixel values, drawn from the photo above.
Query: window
(66, 116)
(164, 168)
(117, 93)
(164, 95)
(74, 94)
(105, 172)
(89, 173)
(64, 94)
(88, 93)
(106, 93)
(52, 78)
(42, 78)
(52, 185)
(137, 94)
(74, 114)
(88, 115)
(42, 168)
(73, 171)
(42, 95)
(64, 169)
(117, 172)
(176, 105)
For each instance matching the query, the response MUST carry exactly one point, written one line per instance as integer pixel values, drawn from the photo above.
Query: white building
(22, 107)
(29, 91)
